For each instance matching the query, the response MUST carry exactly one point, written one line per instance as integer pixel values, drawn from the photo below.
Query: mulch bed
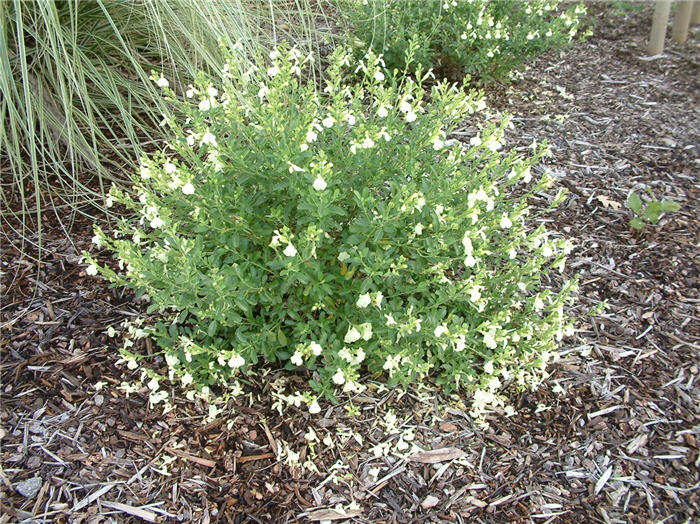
(611, 437)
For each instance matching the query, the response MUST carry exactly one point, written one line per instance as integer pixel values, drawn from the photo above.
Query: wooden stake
(658, 27)
(695, 17)
(681, 21)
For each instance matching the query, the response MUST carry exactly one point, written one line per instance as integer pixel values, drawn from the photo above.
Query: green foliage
(649, 212)
(482, 38)
(341, 232)
(77, 107)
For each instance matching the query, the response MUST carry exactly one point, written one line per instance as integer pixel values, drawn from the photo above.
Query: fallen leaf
(437, 455)
(448, 427)
(608, 203)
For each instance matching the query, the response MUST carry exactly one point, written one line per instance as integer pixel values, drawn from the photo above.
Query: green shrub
(482, 38)
(341, 233)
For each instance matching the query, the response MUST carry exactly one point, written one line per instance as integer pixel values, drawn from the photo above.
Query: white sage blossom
(339, 377)
(363, 301)
(319, 184)
(353, 335)
(290, 250)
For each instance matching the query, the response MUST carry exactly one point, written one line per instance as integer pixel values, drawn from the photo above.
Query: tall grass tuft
(77, 106)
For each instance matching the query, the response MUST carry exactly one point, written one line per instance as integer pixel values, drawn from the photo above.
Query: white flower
(293, 168)
(297, 359)
(390, 320)
(489, 340)
(145, 172)
(339, 377)
(316, 348)
(263, 91)
(190, 92)
(460, 343)
(187, 379)
(290, 250)
(273, 71)
(512, 253)
(208, 138)
(418, 229)
(377, 300)
(467, 243)
(405, 107)
(438, 144)
(368, 143)
(350, 118)
(275, 241)
(97, 240)
(319, 183)
(366, 330)
(470, 261)
(475, 141)
(386, 136)
(475, 293)
(153, 384)
(91, 270)
(188, 189)
(353, 335)
(314, 408)
(379, 76)
(204, 105)
(527, 176)
(190, 140)
(382, 112)
(538, 304)
(109, 202)
(304, 147)
(274, 54)
(311, 136)
(162, 82)
(157, 222)
(410, 116)
(488, 367)
(328, 121)
(493, 145)
(169, 168)
(236, 361)
(363, 301)
(440, 330)
(212, 92)
(343, 256)
(505, 222)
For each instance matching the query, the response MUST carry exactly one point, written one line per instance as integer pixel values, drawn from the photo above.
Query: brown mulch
(618, 442)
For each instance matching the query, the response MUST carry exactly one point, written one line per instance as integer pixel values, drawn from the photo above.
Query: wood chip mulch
(611, 437)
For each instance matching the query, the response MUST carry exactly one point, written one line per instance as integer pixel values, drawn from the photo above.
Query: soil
(612, 436)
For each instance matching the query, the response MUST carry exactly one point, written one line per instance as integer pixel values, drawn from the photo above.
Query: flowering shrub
(482, 38)
(339, 232)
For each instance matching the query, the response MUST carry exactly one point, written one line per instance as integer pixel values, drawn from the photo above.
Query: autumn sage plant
(482, 38)
(341, 231)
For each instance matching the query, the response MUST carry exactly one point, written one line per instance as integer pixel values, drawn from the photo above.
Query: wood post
(681, 21)
(695, 17)
(658, 27)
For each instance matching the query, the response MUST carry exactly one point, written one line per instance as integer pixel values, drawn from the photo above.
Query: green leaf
(280, 336)
(634, 202)
(669, 206)
(652, 212)
(637, 223)
(213, 326)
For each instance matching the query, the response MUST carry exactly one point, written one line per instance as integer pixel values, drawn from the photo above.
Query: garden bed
(612, 436)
